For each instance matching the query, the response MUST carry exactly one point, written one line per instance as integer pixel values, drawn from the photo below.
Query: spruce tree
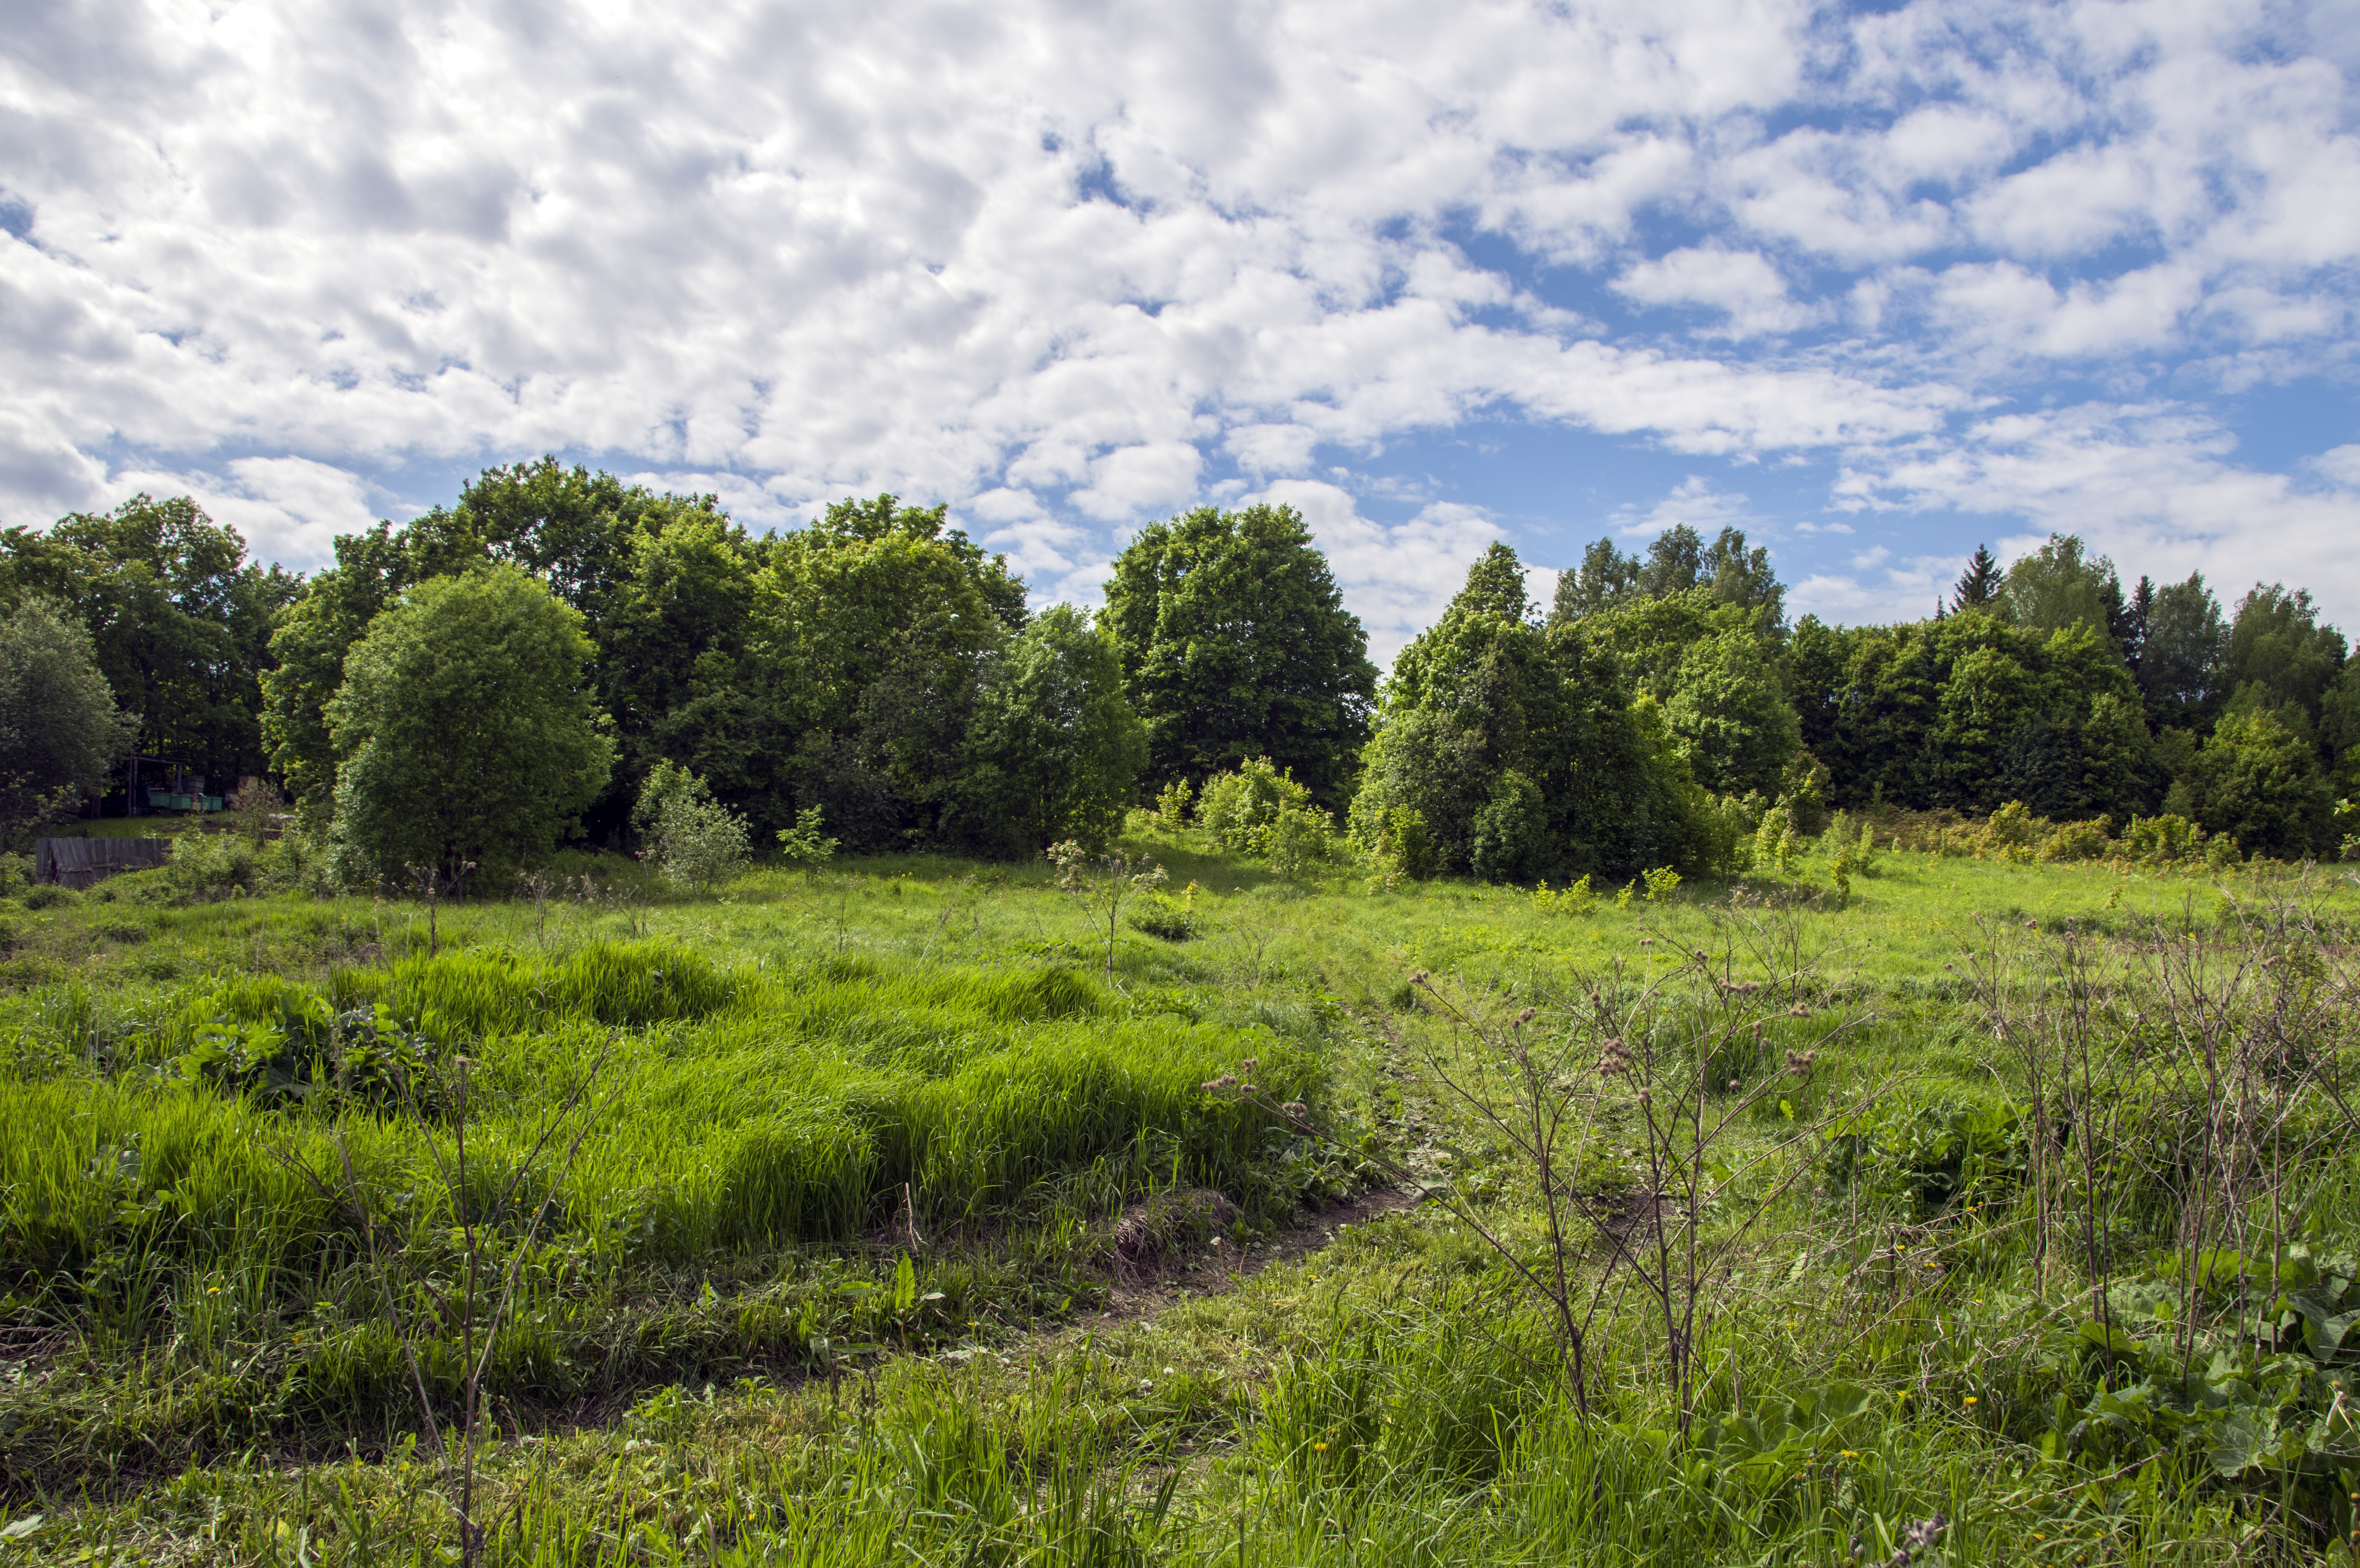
(1979, 586)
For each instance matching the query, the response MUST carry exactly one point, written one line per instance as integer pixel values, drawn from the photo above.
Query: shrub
(1577, 900)
(1239, 808)
(1171, 805)
(1170, 919)
(1299, 838)
(694, 839)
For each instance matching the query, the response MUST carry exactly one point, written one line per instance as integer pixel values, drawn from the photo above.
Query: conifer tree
(1979, 586)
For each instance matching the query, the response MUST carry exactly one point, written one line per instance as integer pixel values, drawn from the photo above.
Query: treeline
(476, 687)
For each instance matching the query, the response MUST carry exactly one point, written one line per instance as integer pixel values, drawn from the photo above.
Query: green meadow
(918, 1210)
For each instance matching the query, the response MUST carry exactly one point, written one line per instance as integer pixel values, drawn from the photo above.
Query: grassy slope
(1375, 1401)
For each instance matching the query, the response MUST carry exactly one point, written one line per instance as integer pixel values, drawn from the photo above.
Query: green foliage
(2182, 665)
(1730, 710)
(1678, 564)
(695, 840)
(2280, 657)
(180, 620)
(1969, 712)
(1483, 695)
(1299, 839)
(462, 731)
(1172, 804)
(1170, 919)
(1240, 808)
(60, 729)
(1236, 645)
(1508, 838)
(2058, 587)
(2260, 783)
(1056, 750)
(1575, 899)
(803, 845)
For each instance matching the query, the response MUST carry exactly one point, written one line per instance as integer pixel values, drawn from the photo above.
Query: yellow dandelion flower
(1971, 1399)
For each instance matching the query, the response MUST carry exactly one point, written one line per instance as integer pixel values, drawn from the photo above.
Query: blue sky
(1874, 284)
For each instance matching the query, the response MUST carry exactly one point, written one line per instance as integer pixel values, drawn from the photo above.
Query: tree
(1235, 644)
(1677, 562)
(1979, 584)
(180, 620)
(309, 649)
(464, 732)
(2258, 781)
(1730, 715)
(694, 839)
(2279, 657)
(1055, 751)
(1521, 750)
(2181, 659)
(872, 633)
(2058, 585)
(60, 729)
(1607, 578)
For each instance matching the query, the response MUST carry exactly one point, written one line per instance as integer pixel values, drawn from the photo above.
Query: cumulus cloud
(1068, 271)
(1397, 578)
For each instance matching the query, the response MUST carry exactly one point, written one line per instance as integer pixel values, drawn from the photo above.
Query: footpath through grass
(1996, 1214)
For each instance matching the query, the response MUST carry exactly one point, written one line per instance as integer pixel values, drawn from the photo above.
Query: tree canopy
(464, 732)
(59, 728)
(1236, 645)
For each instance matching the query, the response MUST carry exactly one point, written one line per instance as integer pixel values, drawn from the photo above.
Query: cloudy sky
(1873, 284)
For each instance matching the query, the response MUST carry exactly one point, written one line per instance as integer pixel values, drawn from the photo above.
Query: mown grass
(809, 1077)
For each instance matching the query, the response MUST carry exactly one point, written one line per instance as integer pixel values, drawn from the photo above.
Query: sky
(1873, 284)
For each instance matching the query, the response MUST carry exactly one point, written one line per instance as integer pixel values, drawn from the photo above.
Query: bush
(1240, 807)
(695, 840)
(1577, 900)
(1171, 805)
(1298, 839)
(49, 896)
(1170, 919)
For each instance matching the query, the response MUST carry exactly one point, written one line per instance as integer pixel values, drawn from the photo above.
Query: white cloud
(1068, 269)
(1397, 578)
(289, 508)
(2341, 465)
(1882, 590)
(1693, 502)
(1742, 284)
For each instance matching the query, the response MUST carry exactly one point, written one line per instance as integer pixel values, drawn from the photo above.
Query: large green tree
(1678, 562)
(1054, 751)
(1521, 749)
(59, 728)
(2259, 780)
(1236, 645)
(2280, 657)
(2059, 586)
(2180, 665)
(871, 632)
(180, 620)
(465, 730)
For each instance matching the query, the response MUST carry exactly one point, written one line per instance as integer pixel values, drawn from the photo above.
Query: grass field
(1994, 1214)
